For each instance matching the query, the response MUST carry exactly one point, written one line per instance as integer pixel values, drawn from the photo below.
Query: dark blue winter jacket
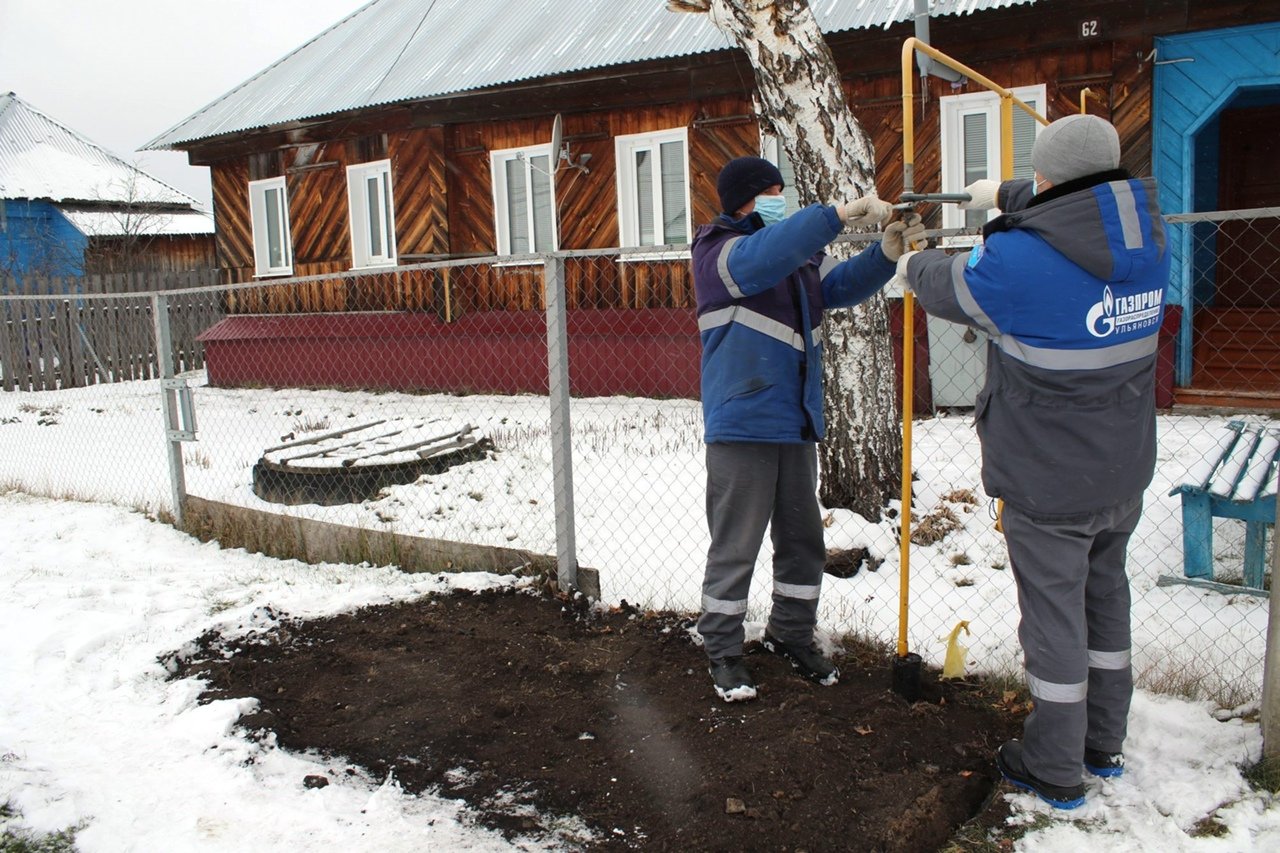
(761, 291)
(1070, 285)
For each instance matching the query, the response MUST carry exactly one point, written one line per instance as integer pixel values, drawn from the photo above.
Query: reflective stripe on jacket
(1071, 287)
(761, 291)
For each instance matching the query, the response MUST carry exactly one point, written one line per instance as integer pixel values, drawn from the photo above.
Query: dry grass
(1192, 678)
(961, 496)
(935, 526)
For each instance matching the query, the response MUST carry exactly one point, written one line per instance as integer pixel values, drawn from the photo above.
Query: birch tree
(799, 96)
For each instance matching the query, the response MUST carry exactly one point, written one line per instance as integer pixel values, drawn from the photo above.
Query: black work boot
(805, 660)
(1009, 760)
(1105, 764)
(732, 679)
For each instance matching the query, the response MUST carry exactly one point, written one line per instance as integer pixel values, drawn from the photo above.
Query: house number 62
(1090, 29)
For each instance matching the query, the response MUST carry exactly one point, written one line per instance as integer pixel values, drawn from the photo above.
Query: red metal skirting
(648, 352)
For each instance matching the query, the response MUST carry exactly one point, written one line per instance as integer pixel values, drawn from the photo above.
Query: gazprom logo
(1126, 314)
(1101, 320)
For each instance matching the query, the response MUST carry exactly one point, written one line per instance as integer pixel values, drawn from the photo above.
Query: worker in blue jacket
(1069, 283)
(762, 281)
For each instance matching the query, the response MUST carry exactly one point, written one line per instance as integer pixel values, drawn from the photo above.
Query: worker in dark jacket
(762, 282)
(1069, 283)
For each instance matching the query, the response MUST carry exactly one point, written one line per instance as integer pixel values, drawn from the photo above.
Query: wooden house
(417, 130)
(69, 207)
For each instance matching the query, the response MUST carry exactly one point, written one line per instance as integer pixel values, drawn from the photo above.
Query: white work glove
(868, 210)
(902, 236)
(901, 272)
(982, 195)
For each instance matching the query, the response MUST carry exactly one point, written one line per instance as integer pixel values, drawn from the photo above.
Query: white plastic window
(971, 145)
(373, 221)
(653, 188)
(269, 214)
(524, 202)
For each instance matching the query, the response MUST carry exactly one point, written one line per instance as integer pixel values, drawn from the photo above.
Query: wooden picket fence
(99, 329)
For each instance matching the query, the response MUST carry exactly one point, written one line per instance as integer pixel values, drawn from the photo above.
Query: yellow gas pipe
(1007, 102)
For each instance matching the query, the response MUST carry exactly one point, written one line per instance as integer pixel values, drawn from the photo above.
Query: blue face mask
(772, 208)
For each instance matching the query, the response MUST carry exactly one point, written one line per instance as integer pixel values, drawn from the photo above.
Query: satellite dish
(560, 149)
(557, 139)
(555, 154)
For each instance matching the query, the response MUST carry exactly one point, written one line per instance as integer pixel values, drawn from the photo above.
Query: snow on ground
(92, 596)
(638, 481)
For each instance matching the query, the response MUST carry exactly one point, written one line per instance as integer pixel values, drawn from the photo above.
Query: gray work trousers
(1073, 594)
(751, 486)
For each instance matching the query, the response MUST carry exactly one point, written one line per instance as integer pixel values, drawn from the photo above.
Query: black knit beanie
(742, 179)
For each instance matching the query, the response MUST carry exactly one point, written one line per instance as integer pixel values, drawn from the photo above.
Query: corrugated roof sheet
(105, 223)
(398, 50)
(43, 159)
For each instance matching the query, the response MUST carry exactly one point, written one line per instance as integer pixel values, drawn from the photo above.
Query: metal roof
(42, 159)
(399, 50)
(168, 223)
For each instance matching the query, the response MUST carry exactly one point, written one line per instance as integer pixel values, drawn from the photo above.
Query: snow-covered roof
(390, 51)
(107, 223)
(41, 158)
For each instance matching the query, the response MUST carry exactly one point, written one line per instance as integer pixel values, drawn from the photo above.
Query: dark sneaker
(732, 679)
(1009, 760)
(805, 660)
(1105, 764)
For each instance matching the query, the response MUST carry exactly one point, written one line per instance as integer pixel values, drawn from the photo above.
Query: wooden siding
(316, 184)
(234, 232)
(418, 181)
(160, 254)
(440, 151)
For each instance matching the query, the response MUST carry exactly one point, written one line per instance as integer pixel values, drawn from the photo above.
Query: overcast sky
(121, 72)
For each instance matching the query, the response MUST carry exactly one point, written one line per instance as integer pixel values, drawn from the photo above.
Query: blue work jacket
(761, 291)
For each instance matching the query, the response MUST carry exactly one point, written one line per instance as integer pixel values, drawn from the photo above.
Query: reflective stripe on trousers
(1074, 599)
(752, 487)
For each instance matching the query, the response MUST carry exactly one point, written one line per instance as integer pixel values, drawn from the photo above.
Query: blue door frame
(1197, 76)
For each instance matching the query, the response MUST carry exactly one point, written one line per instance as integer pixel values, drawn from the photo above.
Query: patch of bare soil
(513, 699)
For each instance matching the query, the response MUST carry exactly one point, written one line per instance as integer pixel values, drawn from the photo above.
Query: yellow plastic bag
(953, 664)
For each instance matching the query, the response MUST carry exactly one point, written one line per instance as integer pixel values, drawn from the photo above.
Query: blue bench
(1235, 480)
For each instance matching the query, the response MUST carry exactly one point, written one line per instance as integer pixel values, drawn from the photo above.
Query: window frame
(259, 222)
(952, 109)
(501, 222)
(358, 175)
(625, 147)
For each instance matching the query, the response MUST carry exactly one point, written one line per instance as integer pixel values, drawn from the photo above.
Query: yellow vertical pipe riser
(1006, 137)
(1007, 102)
(908, 354)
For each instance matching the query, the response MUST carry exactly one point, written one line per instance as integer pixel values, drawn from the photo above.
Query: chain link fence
(450, 416)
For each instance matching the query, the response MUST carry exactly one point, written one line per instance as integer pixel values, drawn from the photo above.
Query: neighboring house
(69, 207)
(420, 129)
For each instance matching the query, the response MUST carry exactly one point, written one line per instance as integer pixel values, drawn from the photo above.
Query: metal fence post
(1271, 665)
(173, 392)
(561, 442)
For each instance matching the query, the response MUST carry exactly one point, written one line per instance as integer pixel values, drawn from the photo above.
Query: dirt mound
(513, 700)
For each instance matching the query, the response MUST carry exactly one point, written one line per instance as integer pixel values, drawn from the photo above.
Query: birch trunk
(799, 96)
